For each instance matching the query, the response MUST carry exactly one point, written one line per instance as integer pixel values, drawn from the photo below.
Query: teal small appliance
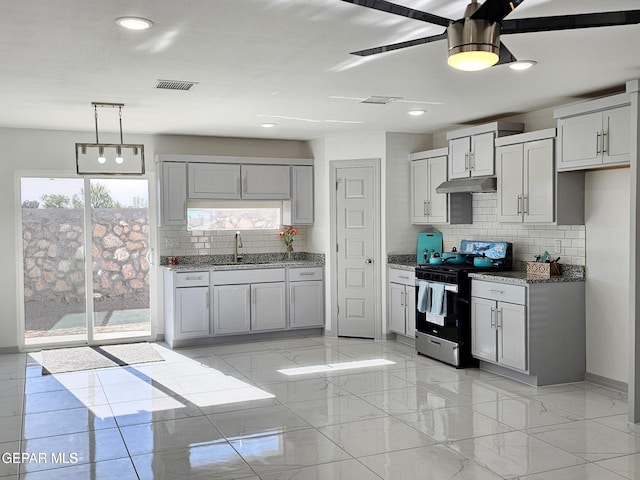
(428, 244)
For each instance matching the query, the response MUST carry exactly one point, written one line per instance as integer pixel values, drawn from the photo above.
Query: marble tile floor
(360, 410)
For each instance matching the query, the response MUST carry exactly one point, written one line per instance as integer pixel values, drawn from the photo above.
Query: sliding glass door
(85, 259)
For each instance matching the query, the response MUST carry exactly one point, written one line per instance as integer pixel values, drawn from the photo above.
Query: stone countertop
(202, 267)
(409, 266)
(522, 278)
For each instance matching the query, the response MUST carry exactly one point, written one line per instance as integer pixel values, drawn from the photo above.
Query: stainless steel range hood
(468, 185)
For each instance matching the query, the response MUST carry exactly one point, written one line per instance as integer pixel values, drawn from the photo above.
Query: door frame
(378, 264)
(154, 297)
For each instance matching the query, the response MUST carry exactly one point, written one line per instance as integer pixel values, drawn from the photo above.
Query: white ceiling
(280, 61)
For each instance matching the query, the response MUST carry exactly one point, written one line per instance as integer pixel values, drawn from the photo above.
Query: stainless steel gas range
(443, 293)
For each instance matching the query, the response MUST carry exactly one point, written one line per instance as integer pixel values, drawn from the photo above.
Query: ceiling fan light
(473, 61)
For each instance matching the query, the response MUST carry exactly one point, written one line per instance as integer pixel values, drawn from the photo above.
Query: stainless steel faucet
(238, 244)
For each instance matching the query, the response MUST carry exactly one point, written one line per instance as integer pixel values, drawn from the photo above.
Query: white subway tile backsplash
(528, 239)
(179, 241)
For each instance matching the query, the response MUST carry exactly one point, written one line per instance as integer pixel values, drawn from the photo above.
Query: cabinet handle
(525, 204)
(597, 143)
(499, 318)
(493, 322)
(605, 142)
(402, 299)
(519, 206)
(466, 161)
(404, 277)
(497, 291)
(424, 208)
(306, 273)
(193, 278)
(472, 161)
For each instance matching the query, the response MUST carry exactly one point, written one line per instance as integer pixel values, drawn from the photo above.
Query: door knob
(368, 261)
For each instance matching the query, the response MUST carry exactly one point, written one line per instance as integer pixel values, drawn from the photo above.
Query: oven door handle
(449, 287)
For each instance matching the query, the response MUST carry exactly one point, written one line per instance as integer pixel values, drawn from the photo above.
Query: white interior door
(356, 227)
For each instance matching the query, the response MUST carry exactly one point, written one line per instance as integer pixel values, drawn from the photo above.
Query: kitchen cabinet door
(459, 149)
(268, 309)
(173, 194)
(266, 182)
(301, 195)
(616, 144)
(509, 170)
(410, 305)
(483, 329)
(231, 309)
(306, 304)
(482, 154)
(436, 202)
(419, 186)
(191, 312)
(538, 181)
(428, 206)
(512, 335)
(216, 181)
(579, 141)
(397, 310)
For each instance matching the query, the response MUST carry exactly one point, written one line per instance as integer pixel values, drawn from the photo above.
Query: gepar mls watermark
(57, 458)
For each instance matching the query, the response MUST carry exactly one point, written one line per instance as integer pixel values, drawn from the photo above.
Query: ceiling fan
(474, 40)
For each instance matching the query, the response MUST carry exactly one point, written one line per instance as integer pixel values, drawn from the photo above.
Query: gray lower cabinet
(402, 302)
(187, 302)
(231, 309)
(532, 332)
(306, 297)
(218, 303)
(249, 300)
(268, 307)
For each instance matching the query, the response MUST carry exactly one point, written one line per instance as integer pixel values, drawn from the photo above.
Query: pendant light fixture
(134, 153)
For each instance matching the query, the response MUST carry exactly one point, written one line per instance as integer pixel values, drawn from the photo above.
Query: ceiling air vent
(175, 85)
(380, 100)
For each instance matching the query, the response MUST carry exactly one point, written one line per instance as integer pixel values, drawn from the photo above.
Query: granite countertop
(200, 267)
(522, 278)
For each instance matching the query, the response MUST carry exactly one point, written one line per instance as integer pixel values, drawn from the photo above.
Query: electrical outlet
(558, 246)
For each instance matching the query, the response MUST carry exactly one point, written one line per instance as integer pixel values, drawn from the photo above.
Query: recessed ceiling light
(268, 125)
(134, 23)
(522, 65)
(416, 113)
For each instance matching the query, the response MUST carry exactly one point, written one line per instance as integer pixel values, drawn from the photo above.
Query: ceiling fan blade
(384, 6)
(399, 45)
(505, 55)
(495, 10)
(568, 22)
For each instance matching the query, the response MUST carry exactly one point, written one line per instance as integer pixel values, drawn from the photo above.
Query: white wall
(607, 266)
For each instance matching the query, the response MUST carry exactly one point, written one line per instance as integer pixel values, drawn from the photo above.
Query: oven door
(447, 327)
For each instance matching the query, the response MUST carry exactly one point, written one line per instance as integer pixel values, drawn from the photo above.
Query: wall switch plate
(558, 246)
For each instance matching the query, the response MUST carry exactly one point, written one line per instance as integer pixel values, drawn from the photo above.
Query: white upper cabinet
(300, 210)
(471, 150)
(594, 134)
(172, 191)
(266, 182)
(215, 181)
(525, 178)
(428, 206)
